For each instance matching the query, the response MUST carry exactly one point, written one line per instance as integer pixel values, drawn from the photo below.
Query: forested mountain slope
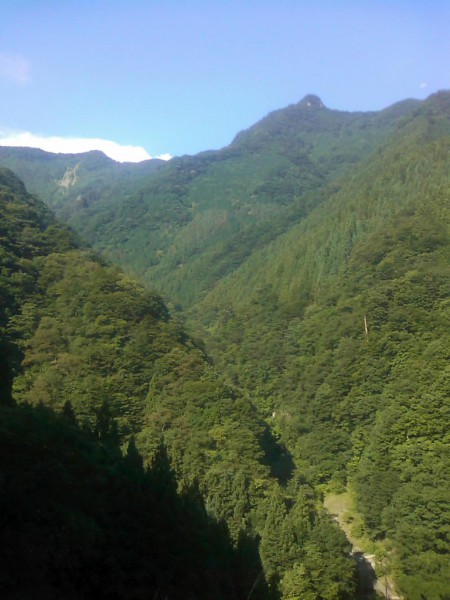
(313, 256)
(195, 219)
(72, 182)
(97, 379)
(79, 520)
(340, 331)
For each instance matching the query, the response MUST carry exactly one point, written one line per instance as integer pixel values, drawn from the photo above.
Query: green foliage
(304, 552)
(184, 225)
(289, 326)
(78, 522)
(83, 339)
(313, 253)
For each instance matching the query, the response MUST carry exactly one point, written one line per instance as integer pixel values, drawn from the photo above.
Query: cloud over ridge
(69, 145)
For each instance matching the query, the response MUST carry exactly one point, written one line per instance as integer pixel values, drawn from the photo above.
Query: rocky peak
(312, 101)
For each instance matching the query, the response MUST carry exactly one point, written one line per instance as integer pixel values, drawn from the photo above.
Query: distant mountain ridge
(311, 257)
(206, 213)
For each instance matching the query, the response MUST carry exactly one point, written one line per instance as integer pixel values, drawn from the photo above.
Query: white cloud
(423, 85)
(76, 145)
(165, 156)
(14, 67)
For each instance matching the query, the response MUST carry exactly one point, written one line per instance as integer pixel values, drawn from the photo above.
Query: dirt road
(369, 585)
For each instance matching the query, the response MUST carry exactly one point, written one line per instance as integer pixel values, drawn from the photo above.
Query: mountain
(201, 217)
(129, 466)
(73, 180)
(339, 328)
(79, 518)
(310, 259)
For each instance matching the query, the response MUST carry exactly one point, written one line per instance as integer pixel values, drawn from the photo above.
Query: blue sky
(179, 77)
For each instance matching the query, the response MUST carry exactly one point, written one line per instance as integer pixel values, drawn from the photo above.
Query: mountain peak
(312, 101)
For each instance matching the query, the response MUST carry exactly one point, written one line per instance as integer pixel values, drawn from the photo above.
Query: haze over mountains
(309, 260)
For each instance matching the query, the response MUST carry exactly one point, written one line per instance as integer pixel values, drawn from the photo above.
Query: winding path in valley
(370, 586)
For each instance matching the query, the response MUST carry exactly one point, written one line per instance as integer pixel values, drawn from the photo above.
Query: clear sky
(182, 76)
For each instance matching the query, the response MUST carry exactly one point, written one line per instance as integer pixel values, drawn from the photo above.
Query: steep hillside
(197, 218)
(98, 380)
(339, 330)
(79, 338)
(72, 182)
(27, 231)
(312, 255)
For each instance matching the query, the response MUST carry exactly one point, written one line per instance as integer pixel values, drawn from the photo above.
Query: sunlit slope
(76, 330)
(182, 226)
(268, 179)
(400, 175)
(340, 331)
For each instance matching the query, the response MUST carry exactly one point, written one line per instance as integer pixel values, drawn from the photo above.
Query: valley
(246, 333)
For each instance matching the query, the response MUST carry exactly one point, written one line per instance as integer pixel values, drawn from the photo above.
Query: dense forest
(129, 466)
(301, 348)
(180, 227)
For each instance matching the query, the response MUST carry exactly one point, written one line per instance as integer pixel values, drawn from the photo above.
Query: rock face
(70, 177)
(312, 101)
